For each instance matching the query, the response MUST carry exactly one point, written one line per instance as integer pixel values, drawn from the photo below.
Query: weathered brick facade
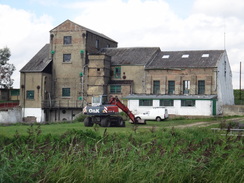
(80, 63)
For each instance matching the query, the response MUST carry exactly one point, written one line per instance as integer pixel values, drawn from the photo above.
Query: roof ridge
(85, 28)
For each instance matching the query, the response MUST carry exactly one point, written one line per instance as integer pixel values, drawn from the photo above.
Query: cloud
(221, 8)
(24, 34)
(209, 25)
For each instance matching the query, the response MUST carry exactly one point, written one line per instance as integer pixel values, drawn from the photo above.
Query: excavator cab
(99, 100)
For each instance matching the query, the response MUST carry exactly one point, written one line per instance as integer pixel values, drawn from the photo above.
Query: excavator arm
(117, 102)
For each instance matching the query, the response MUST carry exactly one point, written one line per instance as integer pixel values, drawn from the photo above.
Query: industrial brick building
(79, 63)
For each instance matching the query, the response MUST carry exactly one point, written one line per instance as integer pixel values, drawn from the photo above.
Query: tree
(6, 69)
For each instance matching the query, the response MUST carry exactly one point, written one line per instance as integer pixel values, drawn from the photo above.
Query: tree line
(6, 69)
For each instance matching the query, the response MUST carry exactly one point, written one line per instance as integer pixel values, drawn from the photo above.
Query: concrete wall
(201, 108)
(32, 113)
(224, 77)
(126, 89)
(135, 73)
(63, 114)
(232, 110)
(98, 75)
(40, 83)
(11, 116)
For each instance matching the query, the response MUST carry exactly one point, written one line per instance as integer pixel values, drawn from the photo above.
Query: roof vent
(165, 56)
(205, 55)
(185, 56)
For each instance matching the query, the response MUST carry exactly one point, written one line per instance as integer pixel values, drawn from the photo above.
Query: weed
(164, 155)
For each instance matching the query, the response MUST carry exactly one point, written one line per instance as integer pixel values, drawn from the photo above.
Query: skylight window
(185, 56)
(165, 56)
(205, 55)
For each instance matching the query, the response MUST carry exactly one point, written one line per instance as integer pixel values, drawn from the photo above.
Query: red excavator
(104, 114)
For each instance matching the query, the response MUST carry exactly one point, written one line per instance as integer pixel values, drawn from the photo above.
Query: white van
(156, 113)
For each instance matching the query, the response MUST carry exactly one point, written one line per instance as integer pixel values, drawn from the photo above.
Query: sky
(172, 25)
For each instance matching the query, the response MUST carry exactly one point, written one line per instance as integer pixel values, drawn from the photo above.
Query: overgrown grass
(100, 155)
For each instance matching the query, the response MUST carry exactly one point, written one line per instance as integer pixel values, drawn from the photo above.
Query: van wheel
(158, 118)
(138, 119)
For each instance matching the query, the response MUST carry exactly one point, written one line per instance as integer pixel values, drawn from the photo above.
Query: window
(186, 87)
(66, 92)
(14, 92)
(190, 103)
(117, 72)
(156, 87)
(185, 56)
(201, 87)
(166, 102)
(145, 102)
(171, 87)
(205, 55)
(97, 43)
(115, 89)
(165, 56)
(66, 57)
(67, 40)
(30, 94)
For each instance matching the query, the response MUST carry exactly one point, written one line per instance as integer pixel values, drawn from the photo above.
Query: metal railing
(9, 104)
(62, 104)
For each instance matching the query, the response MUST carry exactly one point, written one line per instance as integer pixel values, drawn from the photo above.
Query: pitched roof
(131, 56)
(74, 26)
(39, 62)
(186, 59)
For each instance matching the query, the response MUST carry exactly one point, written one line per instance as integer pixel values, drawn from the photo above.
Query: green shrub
(80, 118)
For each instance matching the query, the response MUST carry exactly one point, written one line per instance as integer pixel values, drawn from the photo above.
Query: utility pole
(240, 81)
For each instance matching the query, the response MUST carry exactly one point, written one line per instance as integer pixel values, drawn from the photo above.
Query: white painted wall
(63, 114)
(224, 83)
(201, 108)
(68, 115)
(37, 112)
(11, 116)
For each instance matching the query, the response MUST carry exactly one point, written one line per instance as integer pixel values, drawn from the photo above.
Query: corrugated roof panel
(131, 56)
(196, 59)
(39, 62)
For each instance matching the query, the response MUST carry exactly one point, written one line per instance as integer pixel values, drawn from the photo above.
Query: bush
(80, 117)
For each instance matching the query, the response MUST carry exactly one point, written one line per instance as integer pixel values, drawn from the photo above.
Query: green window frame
(156, 87)
(188, 103)
(67, 40)
(117, 72)
(201, 87)
(14, 92)
(65, 92)
(66, 58)
(143, 102)
(171, 87)
(30, 94)
(115, 89)
(166, 102)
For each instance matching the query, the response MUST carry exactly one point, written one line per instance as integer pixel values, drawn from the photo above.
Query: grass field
(60, 128)
(156, 152)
